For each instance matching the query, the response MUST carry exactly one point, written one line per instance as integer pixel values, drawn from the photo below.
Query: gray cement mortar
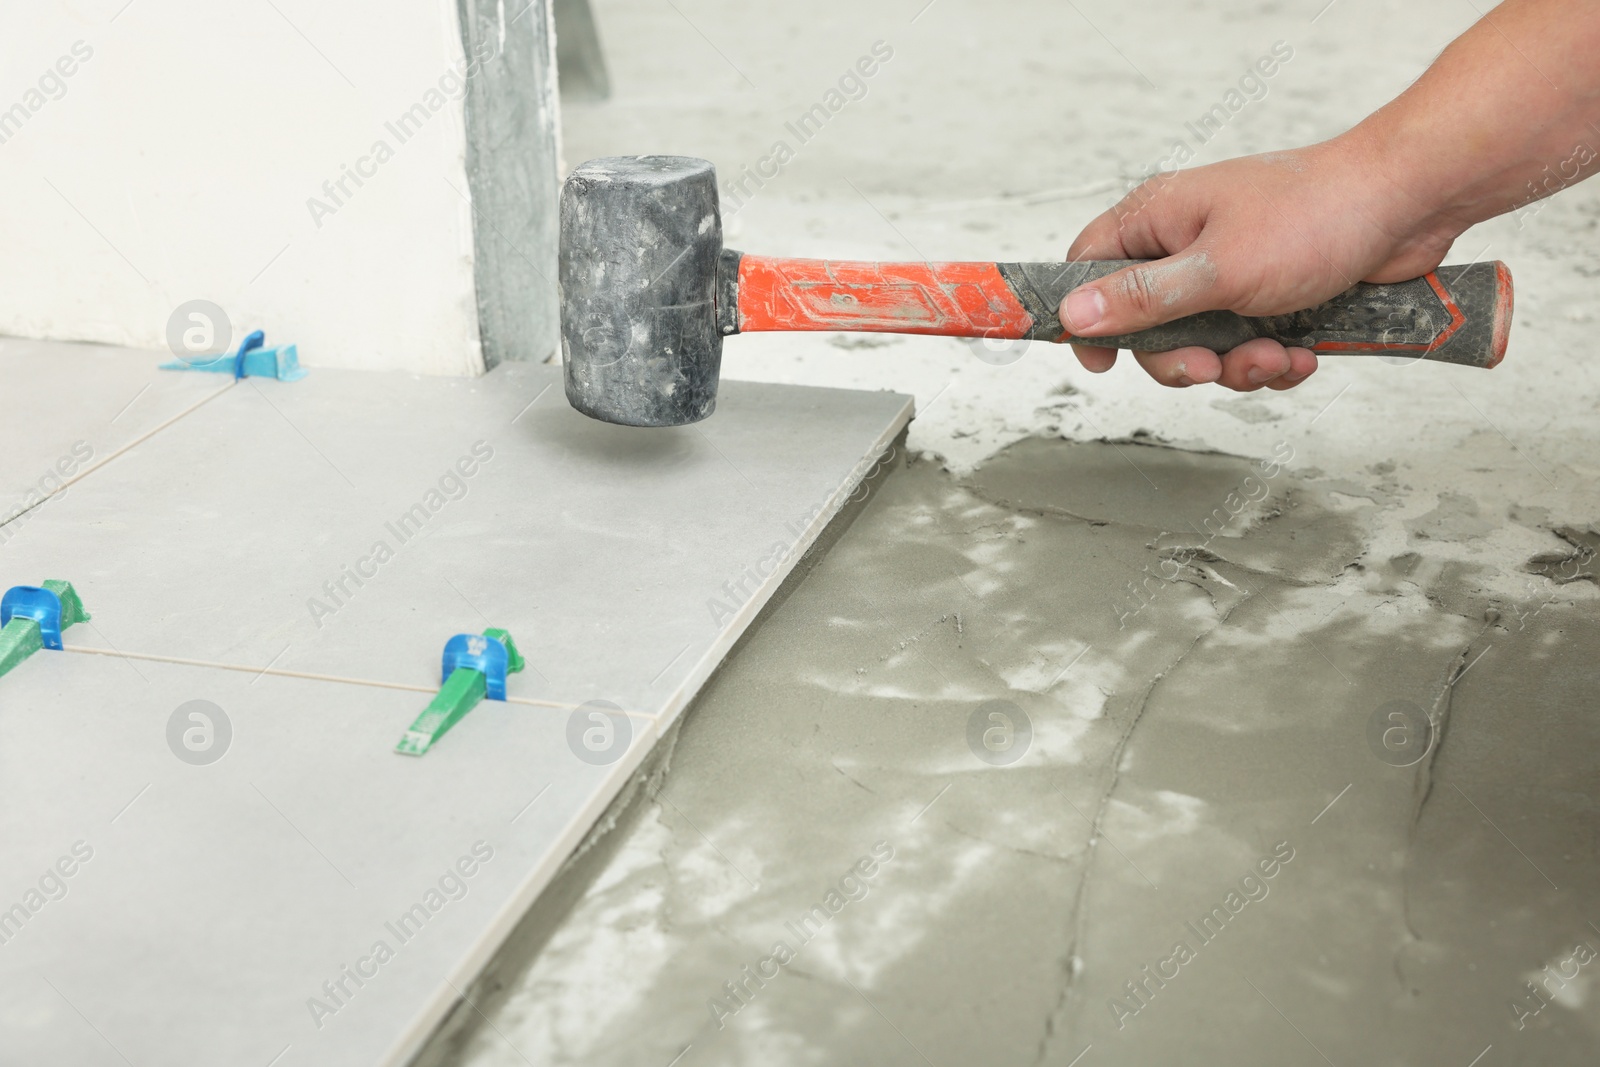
(1174, 746)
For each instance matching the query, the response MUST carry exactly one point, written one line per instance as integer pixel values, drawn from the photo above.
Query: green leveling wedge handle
(474, 667)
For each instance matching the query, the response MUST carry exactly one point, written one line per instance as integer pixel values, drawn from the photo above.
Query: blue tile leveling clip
(483, 654)
(41, 605)
(32, 618)
(474, 667)
(253, 360)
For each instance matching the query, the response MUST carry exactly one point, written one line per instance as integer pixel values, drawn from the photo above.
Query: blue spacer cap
(44, 607)
(475, 652)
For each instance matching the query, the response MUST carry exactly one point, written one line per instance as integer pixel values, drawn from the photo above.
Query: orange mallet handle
(1459, 314)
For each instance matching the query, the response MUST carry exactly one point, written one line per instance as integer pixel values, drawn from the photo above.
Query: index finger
(1101, 239)
(1129, 229)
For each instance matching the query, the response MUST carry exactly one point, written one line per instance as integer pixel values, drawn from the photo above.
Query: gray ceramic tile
(624, 561)
(66, 408)
(220, 898)
(206, 905)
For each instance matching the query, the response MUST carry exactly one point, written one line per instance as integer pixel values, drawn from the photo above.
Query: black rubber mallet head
(640, 237)
(648, 293)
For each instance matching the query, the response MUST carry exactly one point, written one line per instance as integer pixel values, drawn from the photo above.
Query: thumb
(1137, 298)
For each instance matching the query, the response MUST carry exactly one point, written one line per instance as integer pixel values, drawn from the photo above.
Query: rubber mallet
(648, 293)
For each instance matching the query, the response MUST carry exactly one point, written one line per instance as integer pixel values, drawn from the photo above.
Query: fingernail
(1259, 375)
(1084, 309)
(1293, 377)
(1186, 380)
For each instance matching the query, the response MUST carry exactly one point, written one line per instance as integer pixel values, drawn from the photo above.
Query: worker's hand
(1261, 235)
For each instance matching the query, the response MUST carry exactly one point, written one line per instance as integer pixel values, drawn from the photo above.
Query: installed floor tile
(344, 527)
(199, 908)
(68, 408)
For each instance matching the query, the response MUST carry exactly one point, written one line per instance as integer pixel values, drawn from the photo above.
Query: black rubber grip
(1459, 314)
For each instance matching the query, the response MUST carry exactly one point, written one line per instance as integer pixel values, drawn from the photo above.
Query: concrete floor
(1370, 673)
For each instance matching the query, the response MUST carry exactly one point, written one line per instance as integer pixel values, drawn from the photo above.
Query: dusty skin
(1185, 739)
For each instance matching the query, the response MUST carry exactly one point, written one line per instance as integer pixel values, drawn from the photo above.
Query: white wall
(178, 161)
